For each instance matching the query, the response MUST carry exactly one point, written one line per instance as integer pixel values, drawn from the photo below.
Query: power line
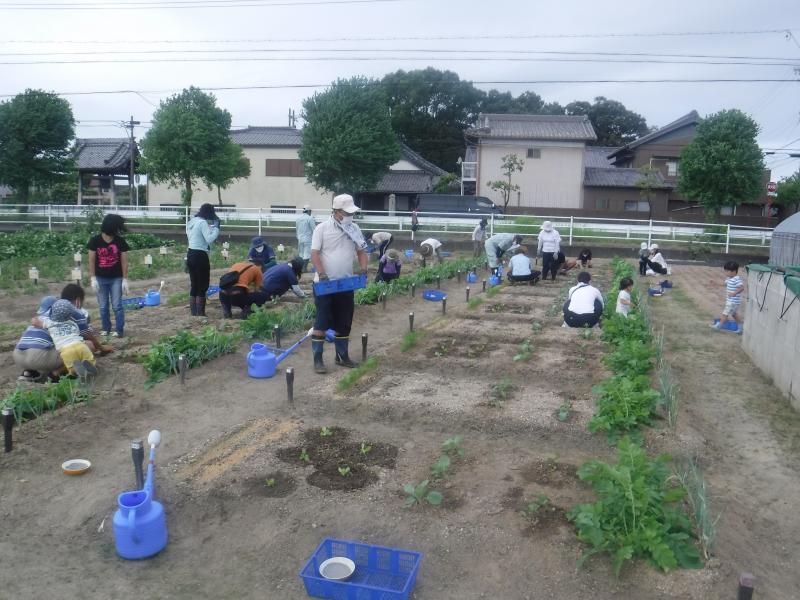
(178, 6)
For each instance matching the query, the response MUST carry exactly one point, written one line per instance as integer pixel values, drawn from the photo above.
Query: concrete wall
(255, 191)
(555, 180)
(773, 343)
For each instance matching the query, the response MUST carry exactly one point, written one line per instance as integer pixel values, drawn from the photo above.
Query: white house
(552, 147)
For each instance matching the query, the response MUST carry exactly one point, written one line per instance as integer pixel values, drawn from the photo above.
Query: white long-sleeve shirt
(549, 241)
(478, 233)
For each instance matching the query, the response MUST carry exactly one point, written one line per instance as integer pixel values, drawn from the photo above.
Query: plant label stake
(413, 290)
(290, 385)
(467, 293)
(8, 422)
(77, 258)
(484, 285)
(459, 276)
(411, 321)
(226, 245)
(137, 454)
(162, 251)
(76, 275)
(746, 584)
(148, 260)
(444, 305)
(225, 253)
(276, 335)
(438, 282)
(183, 366)
(33, 273)
(364, 339)
(383, 300)
(281, 249)
(424, 262)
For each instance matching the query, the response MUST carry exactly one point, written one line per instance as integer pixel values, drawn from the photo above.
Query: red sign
(772, 187)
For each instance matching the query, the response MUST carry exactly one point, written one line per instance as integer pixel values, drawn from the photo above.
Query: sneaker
(739, 331)
(105, 334)
(716, 325)
(115, 334)
(564, 324)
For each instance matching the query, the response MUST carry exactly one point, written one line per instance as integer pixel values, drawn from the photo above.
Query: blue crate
(434, 295)
(136, 302)
(666, 284)
(344, 284)
(655, 292)
(212, 289)
(409, 253)
(381, 573)
(446, 254)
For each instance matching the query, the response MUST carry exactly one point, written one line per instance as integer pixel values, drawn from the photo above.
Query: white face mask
(259, 248)
(347, 220)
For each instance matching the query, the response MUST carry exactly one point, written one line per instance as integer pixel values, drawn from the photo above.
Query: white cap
(653, 246)
(644, 246)
(547, 226)
(306, 207)
(345, 202)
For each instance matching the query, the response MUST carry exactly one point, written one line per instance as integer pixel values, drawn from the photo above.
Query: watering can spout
(283, 355)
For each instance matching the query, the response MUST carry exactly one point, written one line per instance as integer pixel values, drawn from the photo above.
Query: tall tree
(789, 192)
(723, 165)
(430, 110)
(189, 141)
(36, 129)
(614, 124)
(231, 166)
(648, 184)
(511, 164)
(348, 142)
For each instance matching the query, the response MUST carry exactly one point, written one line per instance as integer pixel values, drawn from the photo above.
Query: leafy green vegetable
(415, 494)
(440, 467)
(161, 361)
(623, 404)
(36, 400)
(452, 446)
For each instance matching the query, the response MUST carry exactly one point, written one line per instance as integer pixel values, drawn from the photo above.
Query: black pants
(549, 265)
(335, 311)
(242, 298)
(656, 267)
(387, 277)
(383, 246)
(199, 271)
(533, 277)
(642, 266)
(583, 320)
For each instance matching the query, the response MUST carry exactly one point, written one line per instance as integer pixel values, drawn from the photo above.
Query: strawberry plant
(638, 512)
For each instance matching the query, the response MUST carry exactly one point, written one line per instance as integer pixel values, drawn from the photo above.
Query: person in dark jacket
(284, 277)
(261, 254)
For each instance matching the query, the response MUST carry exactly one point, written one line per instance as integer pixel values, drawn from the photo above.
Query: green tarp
(793, 284)
(791, 275)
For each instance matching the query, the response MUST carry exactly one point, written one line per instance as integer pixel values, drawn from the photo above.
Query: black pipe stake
(383, 299)
(424, 262)
(444, 305)
(411, 321)
(290, 384)
(276, 334)
(137, 454)
(438, 282)
(8, 423)
(364, 339)
(183, 366)
(747, 582)
(484, 285)
(468, 294)
(459, 276)
(413, 290)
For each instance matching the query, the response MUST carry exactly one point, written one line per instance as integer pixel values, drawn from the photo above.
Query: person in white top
(548, 249)
(584, 305)
(519, 267)
(431, 247)
(304, 229)
(656, 265)
(336, 243)
(478, 235)
(624, 301)
(381, 240)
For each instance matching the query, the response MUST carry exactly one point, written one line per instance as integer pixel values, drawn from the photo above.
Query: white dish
(337, 568)
(76, 466)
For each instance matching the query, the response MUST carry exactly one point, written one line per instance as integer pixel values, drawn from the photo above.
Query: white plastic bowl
(337, 568)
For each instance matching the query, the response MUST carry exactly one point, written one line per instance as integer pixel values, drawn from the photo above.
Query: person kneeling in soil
(245, 292)
(35, 352)
(564, 265)
(431, 247)
(584, 305)
(261, 254)
(585, 258)
(519, 267)
(282, 278)
(75, 354)
(656, 265)
(389, 267)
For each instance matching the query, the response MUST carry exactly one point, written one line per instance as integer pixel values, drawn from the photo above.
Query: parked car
(452, 203)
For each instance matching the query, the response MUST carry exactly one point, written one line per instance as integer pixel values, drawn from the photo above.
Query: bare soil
(224, 435)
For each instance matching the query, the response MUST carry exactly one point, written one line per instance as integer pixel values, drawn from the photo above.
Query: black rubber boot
(226, 310)
(317, 346)
(193, 305)
(342, 356)
(201, 306)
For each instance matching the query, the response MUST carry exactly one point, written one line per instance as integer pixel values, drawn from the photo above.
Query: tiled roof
(417, 160)
(687, 119)
(616, 177)
(406, 181)
(102, 154)
(533, 127)
(268, 136)
(597, 156)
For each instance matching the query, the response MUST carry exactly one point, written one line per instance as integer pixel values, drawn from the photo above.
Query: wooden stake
(364, 339)
(467, 294)
(290, 384)
(444, 305)
(411, 321)
(747, 582)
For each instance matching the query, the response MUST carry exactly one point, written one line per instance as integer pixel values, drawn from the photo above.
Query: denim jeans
(111, 288)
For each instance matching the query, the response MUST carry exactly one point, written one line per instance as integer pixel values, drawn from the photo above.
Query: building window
(285, 167)
(282, 209)
(728, 211)
(534, 153)
(672, 168)
(601, 203)
(637, 205)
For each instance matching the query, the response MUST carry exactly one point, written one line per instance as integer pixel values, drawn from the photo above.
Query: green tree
(232, 165)
(348, 142)
(789, 192)
(36, 129)
(189, 141)
(447, 183)
(511, 164)
(723, 165)
(527, 103)
(614, 124)
(648, 184)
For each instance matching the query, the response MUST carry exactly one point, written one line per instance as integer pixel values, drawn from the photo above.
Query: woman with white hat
(656, 265)
(548, 249)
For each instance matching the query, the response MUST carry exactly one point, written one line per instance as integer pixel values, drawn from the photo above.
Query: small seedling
(270, 482)
(416, 494)
(580, 361)
(474, 303)
(587, 334)
(452, 445)
(365, 448)
(440, 467)
(532, 509)
(344, 471)
(536, 326)
(563, 412)
(525, 351)
(325, 432)
(500, 392)
(304, 456)
(410, 340)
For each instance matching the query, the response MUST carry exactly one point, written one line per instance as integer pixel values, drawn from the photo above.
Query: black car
(451, 203)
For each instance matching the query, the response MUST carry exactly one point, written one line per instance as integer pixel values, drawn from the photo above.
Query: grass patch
(411, 339)
(352, 377)
(36, 400)
(493, 291)
(178, 298)
(474, 303)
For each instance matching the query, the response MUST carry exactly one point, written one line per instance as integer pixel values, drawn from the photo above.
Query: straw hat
(547, 226)
(425, 250)
(392, 254)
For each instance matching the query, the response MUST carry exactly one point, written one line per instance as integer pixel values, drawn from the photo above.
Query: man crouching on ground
(334, 245)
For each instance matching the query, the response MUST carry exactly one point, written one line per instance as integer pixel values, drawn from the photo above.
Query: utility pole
(292, 118)
(134, 192)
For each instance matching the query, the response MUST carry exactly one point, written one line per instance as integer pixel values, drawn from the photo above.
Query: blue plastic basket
(666, 284)
(136, 302)
(655, 292)
(212, 289)
(445, 253)
(434, 295)
(381, 573)
(409, 253)
(345, 284)
(729, 325)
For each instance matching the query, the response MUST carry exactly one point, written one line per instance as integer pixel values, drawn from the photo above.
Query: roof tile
(533, 127)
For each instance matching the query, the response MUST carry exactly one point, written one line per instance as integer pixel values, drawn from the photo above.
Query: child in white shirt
(624, 302)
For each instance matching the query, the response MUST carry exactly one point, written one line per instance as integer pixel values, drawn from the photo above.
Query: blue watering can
(471, 277)
(262, 362)
(152, 298)
(140, 526)
(494, 280)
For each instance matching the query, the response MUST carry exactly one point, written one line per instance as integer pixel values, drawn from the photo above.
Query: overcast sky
(110, 31)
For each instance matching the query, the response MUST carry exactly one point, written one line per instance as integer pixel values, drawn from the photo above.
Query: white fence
(573, 229)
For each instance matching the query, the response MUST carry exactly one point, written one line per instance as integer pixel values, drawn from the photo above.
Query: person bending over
(284, 277)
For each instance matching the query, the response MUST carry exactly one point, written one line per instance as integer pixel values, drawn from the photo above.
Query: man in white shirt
(431, 247)
(304, 229)
(584, 305)
(336, 243)
(478, 235)
(519, 267)
(548, 249)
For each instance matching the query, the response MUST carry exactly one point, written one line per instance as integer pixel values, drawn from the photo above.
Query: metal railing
(573, 229)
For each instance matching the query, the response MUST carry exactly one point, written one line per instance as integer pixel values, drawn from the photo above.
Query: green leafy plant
(262, 320)
(440, 467)
(35, 401)
(691, 478)
(270, 482)
(325, 432)
(474, 303)
(452, 446)
(637, 514)
(416, 494)
(632, 357)
(161, 360)
(493, 291)
(304, 456)
(536, 326)
(563, 411)
(500, 392)
(365, 448)
(623, 404)
(352, 376)
(669, 394)
(525, 351)
(410, 340)
(533, 509)
(587, 334)
(344, 471)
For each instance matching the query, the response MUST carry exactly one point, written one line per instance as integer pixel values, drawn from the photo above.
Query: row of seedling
(422, 492)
